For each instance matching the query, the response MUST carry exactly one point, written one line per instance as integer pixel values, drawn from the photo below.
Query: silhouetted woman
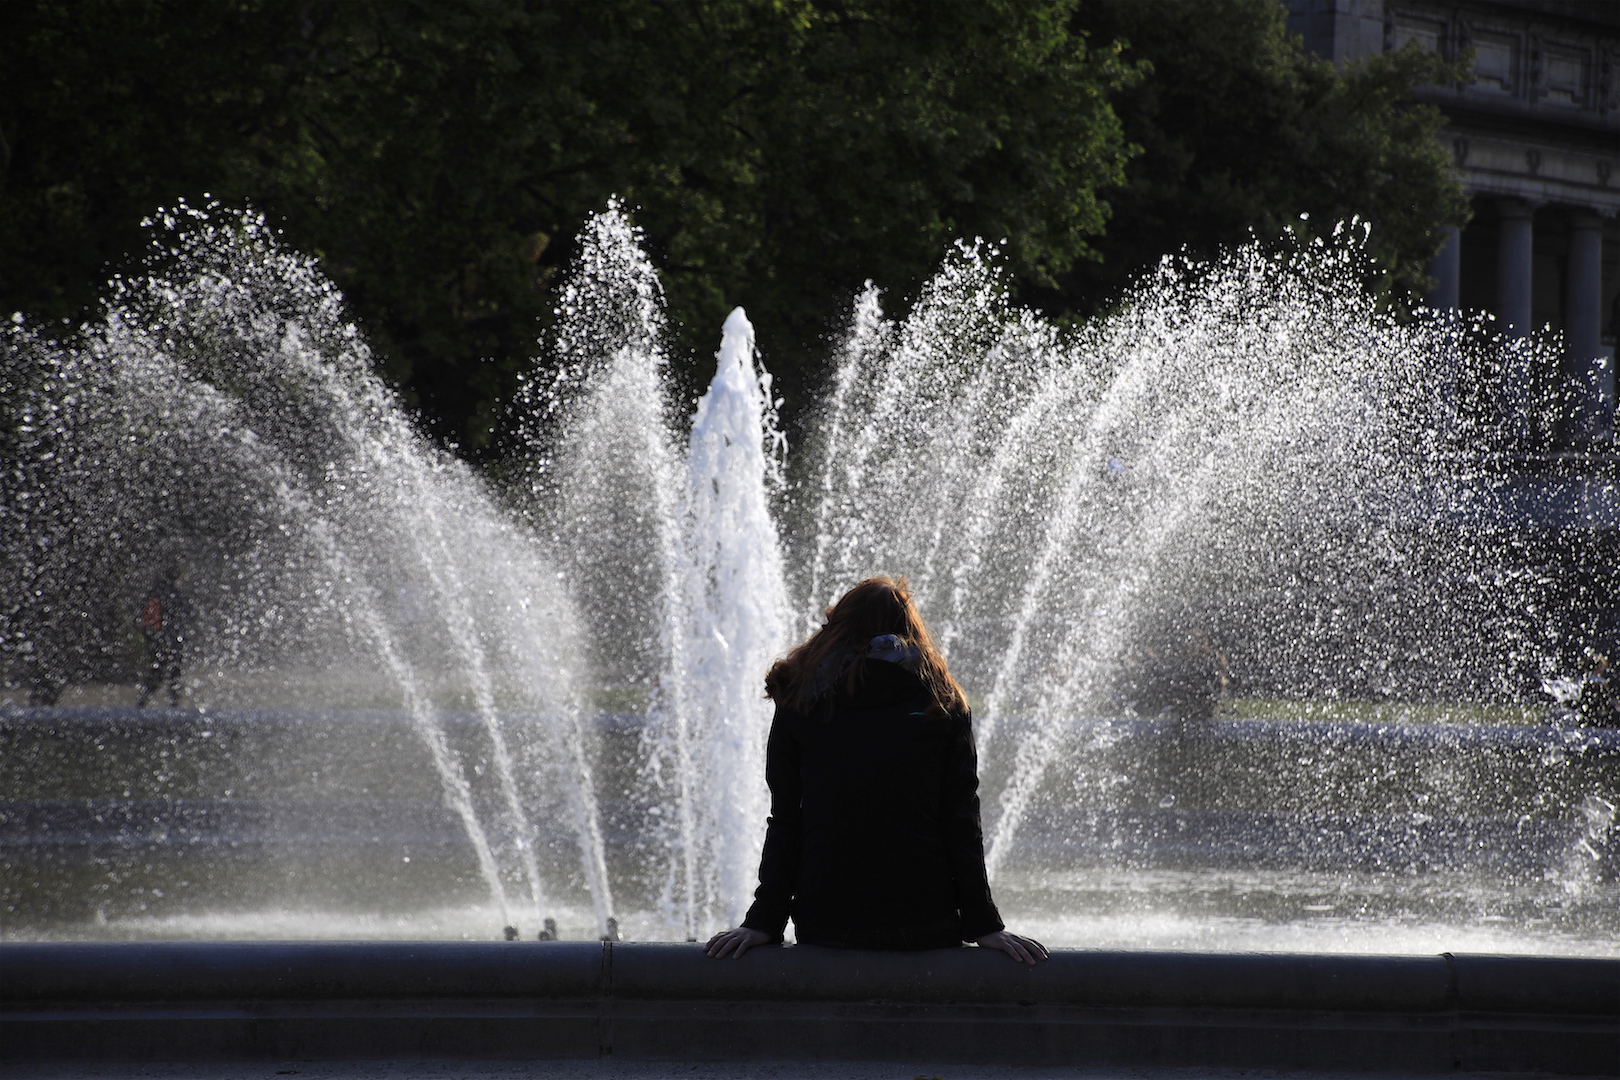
(874, 839)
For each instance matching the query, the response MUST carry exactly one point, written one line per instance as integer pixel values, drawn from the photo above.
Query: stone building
(1535, 136)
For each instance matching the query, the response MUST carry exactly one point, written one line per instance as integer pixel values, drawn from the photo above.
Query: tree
(1242, 130)
(438, 156)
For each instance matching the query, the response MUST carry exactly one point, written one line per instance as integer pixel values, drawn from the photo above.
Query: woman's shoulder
(787, 715)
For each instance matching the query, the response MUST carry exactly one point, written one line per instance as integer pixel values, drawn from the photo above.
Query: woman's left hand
(1023, 949)
(734, 943)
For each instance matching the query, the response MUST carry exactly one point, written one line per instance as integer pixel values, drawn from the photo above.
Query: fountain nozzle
(612, 930)
(548, 930)
(511, 933)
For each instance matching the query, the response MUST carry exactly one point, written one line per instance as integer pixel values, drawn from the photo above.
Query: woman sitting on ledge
(874, 839)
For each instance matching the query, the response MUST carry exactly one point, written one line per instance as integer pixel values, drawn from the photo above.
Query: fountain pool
(1253, 648)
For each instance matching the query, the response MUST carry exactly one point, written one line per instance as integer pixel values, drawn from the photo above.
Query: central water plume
(676, 554)
(733, 609)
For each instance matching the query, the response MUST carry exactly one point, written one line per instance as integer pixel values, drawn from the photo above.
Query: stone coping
(182, 971)
(256, 1001)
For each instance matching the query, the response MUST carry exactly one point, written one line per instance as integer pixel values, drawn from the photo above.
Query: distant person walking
(874, 839)
(165, 620)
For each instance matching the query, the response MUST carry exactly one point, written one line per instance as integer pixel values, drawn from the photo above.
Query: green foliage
(438, 156)
(1242, 130)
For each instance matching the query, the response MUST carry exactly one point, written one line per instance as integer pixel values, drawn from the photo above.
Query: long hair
(875, 607)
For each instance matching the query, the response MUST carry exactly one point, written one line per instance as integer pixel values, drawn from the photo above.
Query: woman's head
(875, 607)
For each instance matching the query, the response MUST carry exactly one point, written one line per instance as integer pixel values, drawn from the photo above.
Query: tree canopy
(1240, 129)
(438, 155)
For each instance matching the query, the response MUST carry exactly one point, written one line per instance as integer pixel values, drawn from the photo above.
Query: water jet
(425, 705)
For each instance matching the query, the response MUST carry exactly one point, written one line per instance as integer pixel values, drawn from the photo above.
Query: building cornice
(1540, 171)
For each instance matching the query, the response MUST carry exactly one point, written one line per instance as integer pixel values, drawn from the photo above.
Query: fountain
(427, 704)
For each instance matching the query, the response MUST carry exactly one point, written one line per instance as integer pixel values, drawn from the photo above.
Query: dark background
(438, 157)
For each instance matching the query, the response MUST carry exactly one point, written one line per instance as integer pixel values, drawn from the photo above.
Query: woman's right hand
(1023, 949)
(734, 943)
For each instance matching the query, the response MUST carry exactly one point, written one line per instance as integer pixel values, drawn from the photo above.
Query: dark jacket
(874, 838)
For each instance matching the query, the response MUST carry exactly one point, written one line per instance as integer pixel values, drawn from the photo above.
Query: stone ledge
(173, 1001)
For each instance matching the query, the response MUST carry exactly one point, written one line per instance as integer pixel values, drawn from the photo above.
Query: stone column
(1513, 250)
(1583, 328)
(1446, 269)
(1583, 303)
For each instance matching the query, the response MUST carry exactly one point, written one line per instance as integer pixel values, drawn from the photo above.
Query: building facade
(1535, 138)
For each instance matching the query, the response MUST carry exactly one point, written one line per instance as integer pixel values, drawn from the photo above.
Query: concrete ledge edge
(151, 1001)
